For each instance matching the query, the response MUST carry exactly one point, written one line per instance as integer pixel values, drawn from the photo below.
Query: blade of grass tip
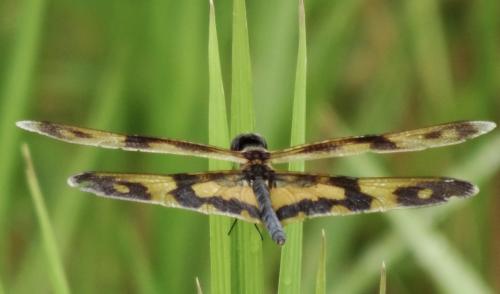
(247, 246)
(218, 134)
(273, 69)
(321, 273)
(291, 255)
(14, 98)
(363, 272)
(383, 278)
(56, 271)
(198, 286)
(242, 108)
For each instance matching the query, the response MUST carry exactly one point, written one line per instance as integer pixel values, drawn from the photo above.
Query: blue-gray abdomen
(267, 214)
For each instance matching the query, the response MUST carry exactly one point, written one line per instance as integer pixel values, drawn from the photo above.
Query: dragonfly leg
(232, 226)
(258, 231)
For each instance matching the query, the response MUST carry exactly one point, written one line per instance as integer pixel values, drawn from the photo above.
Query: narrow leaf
(321, 273)
(242, 108)
(291, 255)
(383, 279)
(56, 272)
(198, 286)
(218, 134)
(247, 246)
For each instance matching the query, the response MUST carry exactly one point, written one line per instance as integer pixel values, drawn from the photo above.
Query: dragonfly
(259, 194)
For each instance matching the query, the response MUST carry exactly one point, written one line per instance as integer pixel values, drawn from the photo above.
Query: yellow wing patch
(223, 193)
(297, 196)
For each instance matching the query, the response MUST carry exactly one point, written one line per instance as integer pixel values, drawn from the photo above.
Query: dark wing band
(419, 139)
(222, 193)
(103, 139)
(297, 196)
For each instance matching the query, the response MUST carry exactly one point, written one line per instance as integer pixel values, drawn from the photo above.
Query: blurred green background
(141, 67)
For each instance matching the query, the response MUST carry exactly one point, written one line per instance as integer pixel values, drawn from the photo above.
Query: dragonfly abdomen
(267, 214)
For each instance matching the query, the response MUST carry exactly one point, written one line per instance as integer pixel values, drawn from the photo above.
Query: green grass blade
(363, 273)
(68, 209)
(321, 273)
(218, 134)
(56, 271)
(291, 255)
(247, 246)
(242, 108)
(383, 279)
(198, 286)
(14, 98)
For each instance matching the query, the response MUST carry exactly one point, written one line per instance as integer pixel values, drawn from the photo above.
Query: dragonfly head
(243, 141)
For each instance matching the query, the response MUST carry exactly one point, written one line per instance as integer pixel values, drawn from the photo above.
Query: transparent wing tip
(28, 125)
(484, 127)
(76, 180)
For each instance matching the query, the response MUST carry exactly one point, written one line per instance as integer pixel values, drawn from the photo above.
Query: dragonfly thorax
(253, 171)
(244, 141)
